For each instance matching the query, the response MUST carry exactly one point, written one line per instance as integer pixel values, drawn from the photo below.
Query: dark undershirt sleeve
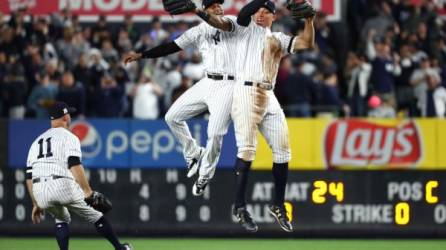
(161, 50)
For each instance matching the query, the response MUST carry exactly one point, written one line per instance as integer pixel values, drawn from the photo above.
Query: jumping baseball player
(213, 92)
(57, 184)
(255, 106)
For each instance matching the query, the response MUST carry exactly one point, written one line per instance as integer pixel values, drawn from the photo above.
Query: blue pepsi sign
(120, 143)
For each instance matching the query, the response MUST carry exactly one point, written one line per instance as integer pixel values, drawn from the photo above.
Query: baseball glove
(177, 7)
(99, 202)
(300, 9)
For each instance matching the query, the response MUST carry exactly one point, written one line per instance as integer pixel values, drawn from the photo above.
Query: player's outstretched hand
(132, 57)
(36, 214)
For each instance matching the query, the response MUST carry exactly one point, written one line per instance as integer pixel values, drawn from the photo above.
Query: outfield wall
(398, 187)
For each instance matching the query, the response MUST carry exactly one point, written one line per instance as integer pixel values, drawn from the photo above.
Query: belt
(265, 86)
(52, 177)
(219, 77)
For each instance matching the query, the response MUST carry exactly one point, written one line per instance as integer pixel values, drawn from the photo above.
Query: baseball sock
(105, 229)
(62, 235)
(242, 170)
(280, 174)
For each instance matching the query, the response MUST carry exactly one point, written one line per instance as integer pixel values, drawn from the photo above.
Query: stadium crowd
(387, 58)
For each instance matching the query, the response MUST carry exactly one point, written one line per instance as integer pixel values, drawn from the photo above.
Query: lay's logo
(361, 143)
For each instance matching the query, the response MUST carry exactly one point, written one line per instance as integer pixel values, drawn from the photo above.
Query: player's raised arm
(302, 9)
(306, 39)
(158, 51)
(244, 16)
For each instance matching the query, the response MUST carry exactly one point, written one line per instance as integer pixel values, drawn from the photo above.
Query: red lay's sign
(363, 143)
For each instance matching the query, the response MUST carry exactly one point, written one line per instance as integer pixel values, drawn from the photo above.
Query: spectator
(15, 90)
(145, 99)
(384, 67)
(299, 92)
(358, 75)
(434, 104)
(108, 52)
(380, 108)
(419, 82)
(330, 101)
(404, 91)
(186, 83)
(42, 96)
(157, 33)
(109, 99)
(72, 93)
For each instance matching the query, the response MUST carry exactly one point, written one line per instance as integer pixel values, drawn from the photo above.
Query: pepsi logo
(91, 142)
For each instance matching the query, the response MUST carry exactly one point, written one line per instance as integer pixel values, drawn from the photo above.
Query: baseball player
(255, 106)
(213, 92)
(56, 181)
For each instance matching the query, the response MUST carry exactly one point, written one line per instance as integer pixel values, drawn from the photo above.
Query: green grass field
(226, 244)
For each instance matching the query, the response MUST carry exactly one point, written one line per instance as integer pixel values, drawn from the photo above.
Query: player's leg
(219, 103)
(102, 225)
(275, 130)
(61, 228)
(248, 108)
(191, 103)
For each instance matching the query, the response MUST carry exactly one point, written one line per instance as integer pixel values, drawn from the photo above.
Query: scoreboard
(320, 203)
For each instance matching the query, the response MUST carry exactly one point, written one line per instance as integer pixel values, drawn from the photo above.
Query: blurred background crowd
(386, 59)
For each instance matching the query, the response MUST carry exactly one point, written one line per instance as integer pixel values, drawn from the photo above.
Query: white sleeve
(286, 42)
(189, 38)
(73, 146)
(31, 157)
(233, 21)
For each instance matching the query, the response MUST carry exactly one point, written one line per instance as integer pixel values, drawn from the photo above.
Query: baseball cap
(269, 5)
(59, 109)
(207, 3)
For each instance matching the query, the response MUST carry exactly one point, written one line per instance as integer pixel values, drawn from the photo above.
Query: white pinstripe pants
(255, 109)
(207, 94)
(60, 197)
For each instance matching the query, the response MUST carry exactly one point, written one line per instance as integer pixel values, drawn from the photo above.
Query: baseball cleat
(245, 219)
(200, 186)
(126, 246)
(281, 217)
(194, 165)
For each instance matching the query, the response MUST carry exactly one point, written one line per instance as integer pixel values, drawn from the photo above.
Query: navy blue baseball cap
(269, 5)
(59, 109)
(207, 3)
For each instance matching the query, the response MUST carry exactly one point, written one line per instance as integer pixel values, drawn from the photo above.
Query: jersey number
(216, 37)
(48, 148)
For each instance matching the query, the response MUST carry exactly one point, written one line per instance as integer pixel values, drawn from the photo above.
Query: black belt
(219, 77)
(53, 177)
(265, 86)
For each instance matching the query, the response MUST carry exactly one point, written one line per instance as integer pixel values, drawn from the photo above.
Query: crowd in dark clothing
(390, 51)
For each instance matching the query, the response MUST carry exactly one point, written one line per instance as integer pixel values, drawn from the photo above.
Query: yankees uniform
(52, 184)
(213, 93)
(254, 103)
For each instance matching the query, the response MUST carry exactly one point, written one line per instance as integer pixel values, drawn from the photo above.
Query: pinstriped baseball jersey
(253, 63)
(48, 156)
(49, 153)
(214, 45)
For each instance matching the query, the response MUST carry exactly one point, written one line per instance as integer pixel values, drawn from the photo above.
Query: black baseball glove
(300, 9)
(177, 7)
(99, 202)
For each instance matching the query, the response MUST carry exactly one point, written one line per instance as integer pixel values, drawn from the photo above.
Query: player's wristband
(203, 15)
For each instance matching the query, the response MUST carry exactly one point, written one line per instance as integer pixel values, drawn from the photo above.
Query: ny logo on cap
(65, 111)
